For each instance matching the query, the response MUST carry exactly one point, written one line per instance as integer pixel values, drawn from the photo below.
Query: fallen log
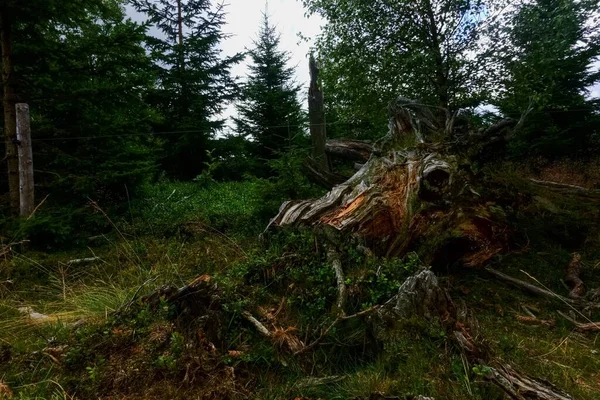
(319, 175)
(354, 150)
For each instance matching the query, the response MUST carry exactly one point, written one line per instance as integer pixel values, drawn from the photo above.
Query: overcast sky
(243, 20)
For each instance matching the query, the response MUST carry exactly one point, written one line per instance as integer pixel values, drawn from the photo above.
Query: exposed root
(334, 258)
(422, 295)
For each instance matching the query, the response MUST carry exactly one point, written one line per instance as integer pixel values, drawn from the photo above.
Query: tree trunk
(412, 195)
(316, 114)
(8, 103)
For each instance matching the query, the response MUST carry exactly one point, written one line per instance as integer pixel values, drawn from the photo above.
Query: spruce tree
(269, 113)
(83, 69)
(552, 46)
(194, 81)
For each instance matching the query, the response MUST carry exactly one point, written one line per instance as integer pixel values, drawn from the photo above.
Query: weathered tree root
(421, 295)
(336, 263)
(522, 387)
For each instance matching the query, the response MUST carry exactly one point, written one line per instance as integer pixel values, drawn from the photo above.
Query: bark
(316, 114)
(411, 194)
(8, 104)
(354, 150)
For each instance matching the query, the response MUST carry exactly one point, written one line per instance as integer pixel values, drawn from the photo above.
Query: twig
(334, 323)
(79, 261)
(257, 324)
(36, 207)
(586, 327)
(130, 302)
(529, 287)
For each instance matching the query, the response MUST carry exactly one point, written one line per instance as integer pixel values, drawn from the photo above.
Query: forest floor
(86, 329)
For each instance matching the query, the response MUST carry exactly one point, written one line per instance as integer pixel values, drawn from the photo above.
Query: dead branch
(573, 279)
(566, 188)
(319, 175)
(528, 287)
(339, 319)
(334, 258)
(355, 150)
(522, 387)
(257, 324)
(81, 261)
(584, 327)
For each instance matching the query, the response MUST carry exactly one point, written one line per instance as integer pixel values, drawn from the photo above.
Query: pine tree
(552, 46)
(194, 81)
(83, 70)
(269, 113)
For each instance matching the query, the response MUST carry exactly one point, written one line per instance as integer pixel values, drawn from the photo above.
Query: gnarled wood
(409, 195)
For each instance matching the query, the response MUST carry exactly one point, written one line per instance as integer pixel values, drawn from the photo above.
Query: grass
(179, 231)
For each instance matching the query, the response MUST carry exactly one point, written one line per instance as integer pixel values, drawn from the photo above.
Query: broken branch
(528, 287)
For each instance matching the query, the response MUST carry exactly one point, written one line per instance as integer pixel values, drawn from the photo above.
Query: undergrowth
(99, 340)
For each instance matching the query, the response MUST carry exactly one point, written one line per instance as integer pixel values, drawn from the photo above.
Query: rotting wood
(409, 193)
(257, 324)
(422, 296)
(355, 150)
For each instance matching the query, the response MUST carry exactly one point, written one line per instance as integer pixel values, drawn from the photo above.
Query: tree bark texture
(316, 115)
(8, 104)
(26, 187)
(411, 194)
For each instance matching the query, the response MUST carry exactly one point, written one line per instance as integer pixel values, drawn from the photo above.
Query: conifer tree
(83, 70)
(269, 113)
(194, 80)
(552, 44)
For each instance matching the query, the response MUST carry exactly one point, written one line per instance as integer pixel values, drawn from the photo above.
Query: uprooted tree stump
(415, 192)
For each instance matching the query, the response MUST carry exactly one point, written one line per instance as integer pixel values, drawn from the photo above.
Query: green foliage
(547, 66)
(194, 81)
(88, 82)
(269, 112)
(371, 52)
(168, 207)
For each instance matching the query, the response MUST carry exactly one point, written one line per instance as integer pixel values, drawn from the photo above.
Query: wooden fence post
(26, 191)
